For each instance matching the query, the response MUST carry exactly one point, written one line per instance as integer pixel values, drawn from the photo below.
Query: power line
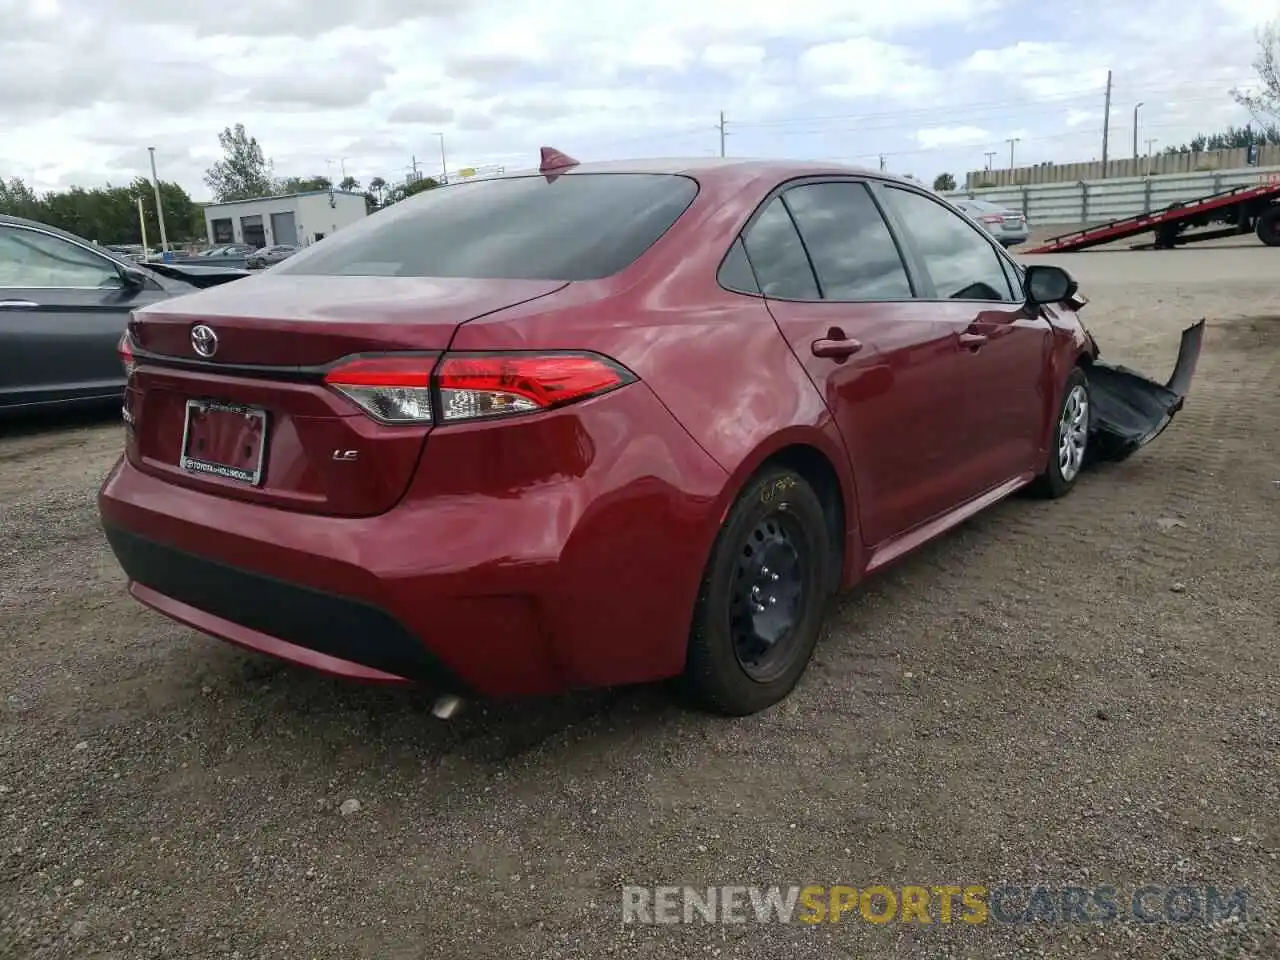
(1063, 98)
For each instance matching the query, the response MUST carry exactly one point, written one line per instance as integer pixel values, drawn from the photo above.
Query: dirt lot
(1081, 692)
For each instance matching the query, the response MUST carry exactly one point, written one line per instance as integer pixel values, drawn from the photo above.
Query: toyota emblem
(204, 340)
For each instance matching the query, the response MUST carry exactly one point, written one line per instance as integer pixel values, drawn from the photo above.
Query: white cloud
(87, 85)
(931, 138)
(862, 68)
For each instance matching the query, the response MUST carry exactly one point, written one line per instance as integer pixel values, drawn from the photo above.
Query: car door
(841, 295)
(63, 308)
(1000, 374)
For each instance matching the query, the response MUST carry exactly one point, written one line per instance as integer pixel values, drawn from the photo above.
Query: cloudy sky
(932, 85)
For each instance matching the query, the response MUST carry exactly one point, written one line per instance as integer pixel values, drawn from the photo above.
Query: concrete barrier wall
(1157, 165)
(1100, 201)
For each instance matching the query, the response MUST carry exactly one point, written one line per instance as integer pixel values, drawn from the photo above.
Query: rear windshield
(982, 205)
(581, 226)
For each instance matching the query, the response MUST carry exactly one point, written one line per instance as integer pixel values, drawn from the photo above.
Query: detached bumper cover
(1129, 409)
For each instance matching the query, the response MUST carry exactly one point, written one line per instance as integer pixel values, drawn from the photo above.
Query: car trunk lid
(227, 393)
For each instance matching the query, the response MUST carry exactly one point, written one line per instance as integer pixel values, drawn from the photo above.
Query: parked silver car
(1008, 226)
(270, 255)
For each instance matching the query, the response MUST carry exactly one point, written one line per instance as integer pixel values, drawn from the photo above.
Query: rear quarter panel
(715, 359)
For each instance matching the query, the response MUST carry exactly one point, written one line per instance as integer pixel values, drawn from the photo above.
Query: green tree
(1232, 138)
(944, 182)
(349, 184)
(108, 214)
(288, 185)
(1265, 104)
(243, 172)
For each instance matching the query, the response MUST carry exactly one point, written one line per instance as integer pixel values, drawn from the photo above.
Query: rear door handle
(18, 305)
(836, 349)
(972, 340)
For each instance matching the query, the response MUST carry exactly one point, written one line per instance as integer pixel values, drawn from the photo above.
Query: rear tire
(1268, 228)
(761, 603)
(1070, 443)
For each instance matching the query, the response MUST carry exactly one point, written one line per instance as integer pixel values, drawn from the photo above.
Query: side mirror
(132, 279)
(1048, 284)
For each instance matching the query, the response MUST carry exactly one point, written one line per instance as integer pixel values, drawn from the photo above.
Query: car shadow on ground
(14, 425)
(245, 688)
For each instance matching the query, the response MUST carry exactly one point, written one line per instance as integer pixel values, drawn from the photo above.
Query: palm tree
(376, 186)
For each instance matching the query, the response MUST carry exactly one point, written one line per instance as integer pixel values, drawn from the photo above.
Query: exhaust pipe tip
(446, 707)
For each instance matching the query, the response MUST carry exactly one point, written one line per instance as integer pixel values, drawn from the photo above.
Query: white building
(297, 218)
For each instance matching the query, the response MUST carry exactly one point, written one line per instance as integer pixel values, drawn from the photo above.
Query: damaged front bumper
(1130, 410)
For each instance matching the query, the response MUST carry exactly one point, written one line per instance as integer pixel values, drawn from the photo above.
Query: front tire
(761, 603)
(1070, 443)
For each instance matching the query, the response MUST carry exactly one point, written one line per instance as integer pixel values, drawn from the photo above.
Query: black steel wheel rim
(768, 597)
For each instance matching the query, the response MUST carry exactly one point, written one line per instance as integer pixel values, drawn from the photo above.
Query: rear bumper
(324, 631)
(584, 574)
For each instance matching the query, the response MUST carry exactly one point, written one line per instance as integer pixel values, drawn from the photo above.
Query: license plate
(224, 440)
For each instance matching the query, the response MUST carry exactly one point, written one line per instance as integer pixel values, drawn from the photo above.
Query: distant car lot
(1075, 695)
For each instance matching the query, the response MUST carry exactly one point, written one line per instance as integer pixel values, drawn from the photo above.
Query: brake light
(124, 349)
(497, 384)
(992, 218)
(399, 389)
(390, 389)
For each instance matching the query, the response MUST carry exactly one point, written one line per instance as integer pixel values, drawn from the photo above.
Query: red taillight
(125, 351)
(390, 389)
(400, 389)
(496, 384)
(992, 218)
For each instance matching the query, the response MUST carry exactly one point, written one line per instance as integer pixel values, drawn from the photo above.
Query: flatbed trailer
(1246, 209)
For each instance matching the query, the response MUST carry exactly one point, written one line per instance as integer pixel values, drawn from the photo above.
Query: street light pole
(1135, 129)
(155, 184)
(1011, 141)
(444, 164)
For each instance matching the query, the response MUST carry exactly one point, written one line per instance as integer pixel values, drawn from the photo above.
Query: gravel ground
(1080, 692)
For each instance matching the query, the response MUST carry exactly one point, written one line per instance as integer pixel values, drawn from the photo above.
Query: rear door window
(583, 226)
(735, 272)
(848, 241)
(777, 255)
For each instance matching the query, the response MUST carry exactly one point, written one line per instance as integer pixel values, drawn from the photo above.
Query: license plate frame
(203, 467)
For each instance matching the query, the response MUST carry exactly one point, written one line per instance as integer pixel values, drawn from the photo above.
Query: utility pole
(444, 166)
(142, 222)
(413, 165)
(723, 132)
(991, 157)
(155, 184)
(1106, 124)
(1150, 141)
(882, 161)
(1135, 129)
(1011, 141)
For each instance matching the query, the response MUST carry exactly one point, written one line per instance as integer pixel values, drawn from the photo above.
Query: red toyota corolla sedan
(598, 424)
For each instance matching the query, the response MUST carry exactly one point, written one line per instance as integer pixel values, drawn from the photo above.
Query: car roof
(713, 168)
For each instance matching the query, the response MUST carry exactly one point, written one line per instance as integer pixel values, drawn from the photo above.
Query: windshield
(582, 226)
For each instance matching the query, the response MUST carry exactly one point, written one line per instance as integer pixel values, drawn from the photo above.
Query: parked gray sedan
(64, 306)
(1008, 226)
